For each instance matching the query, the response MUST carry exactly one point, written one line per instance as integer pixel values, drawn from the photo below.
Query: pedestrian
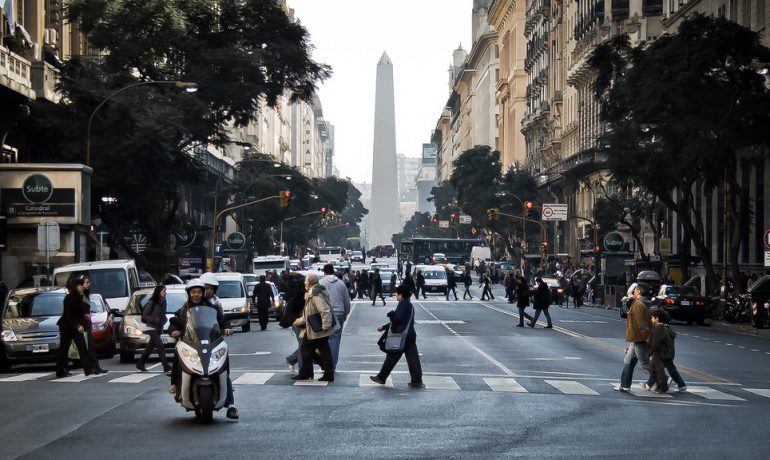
(154, 317)
(467, 281)
(89, 335)
(392, 285)
(420, 285)
(451, 283)
(263, 298)
(486, 293)
(665, 346)
(316, 303)
(361, 283)
(293, 310)
(509, 282)
(340, 300)
(660, 345)
(72, 325)
(401, 320)
(377, 287)
(400, 268)
(408, 267)
(638, 327)
(541, 300)
(522, 299)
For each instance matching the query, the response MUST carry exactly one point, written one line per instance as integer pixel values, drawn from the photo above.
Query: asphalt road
(493, 390)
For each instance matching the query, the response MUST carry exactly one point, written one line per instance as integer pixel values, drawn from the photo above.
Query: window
(230, 290)
(36, 305)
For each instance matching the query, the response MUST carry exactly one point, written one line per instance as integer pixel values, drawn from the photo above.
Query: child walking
(662, 351)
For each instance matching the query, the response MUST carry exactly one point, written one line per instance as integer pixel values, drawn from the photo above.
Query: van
(115, 280)
(235, 302)
(479, 253)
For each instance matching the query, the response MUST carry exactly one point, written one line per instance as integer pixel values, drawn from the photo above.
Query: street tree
(682, 113)
(474, 179)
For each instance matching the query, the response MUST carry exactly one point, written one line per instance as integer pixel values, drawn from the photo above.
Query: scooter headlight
(218, 357)
(189, 357)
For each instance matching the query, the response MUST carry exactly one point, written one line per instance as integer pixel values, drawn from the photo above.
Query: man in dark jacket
(263, 297)
(420, 285)
(377, 287)
(451, 283)
(541, 301)
(522, 299)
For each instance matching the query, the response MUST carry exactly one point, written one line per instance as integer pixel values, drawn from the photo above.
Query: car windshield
(35, 305)
(145, 277)
(230, 290)
(434, 275)
(96, 304)
(174, 301)
(249, 279)
(111, 283)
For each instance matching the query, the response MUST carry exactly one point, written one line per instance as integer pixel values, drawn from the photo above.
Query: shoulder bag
(315, 321)
(396, 341)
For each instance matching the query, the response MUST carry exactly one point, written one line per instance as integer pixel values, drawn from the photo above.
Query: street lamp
(190, 87)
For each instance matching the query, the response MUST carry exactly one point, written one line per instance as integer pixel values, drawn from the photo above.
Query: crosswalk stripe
(77, 378)
(759, 391)
(504, 384)
(710, 393)
(310, 383)
(644, 393)
(135, 378)
(571, 387)
(435, 382)
(365, 382)
(26, 377)
(253, 378)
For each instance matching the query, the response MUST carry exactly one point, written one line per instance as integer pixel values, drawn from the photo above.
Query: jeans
(452, 290)
(523, 314)
(155, 343)
(62, 355)
(672, 371)
(537, 315)
(636, 351)
(295, 359)
(486, 294)
(334, 340)
(467, 292)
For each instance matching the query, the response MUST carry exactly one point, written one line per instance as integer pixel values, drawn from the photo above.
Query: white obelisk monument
(385, 200)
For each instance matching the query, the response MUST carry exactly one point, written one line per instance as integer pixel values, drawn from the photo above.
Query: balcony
(15, 73)
(44, 80)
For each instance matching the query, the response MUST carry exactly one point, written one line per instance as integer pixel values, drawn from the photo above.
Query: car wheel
(126, 356)
(246, 327)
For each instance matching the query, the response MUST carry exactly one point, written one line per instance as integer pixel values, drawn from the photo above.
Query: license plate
(685, 302)
(42, 348)
(168, 340)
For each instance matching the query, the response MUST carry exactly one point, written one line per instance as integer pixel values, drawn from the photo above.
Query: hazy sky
(351, 35)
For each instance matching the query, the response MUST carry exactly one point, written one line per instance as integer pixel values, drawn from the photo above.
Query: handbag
(396, 341)
(73, 353)
(315, 322)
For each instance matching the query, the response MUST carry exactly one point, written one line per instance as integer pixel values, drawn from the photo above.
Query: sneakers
(683, 389)
(645, 386)
(622, 389)
(232, 413)
(290, 366)
(416, 385)
(376, 379)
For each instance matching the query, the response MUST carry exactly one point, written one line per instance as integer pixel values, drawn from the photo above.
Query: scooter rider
(197, 290)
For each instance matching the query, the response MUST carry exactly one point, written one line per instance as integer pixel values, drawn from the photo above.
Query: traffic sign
(555, 211)
(443, 224)
(767, 258)
(465, 219)
(613, 242)
(48, 240)
(766, 239)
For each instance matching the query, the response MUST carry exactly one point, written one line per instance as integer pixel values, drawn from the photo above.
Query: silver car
(133, 340)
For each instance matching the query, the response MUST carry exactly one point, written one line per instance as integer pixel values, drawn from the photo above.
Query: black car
(29, 331)
(682, 303)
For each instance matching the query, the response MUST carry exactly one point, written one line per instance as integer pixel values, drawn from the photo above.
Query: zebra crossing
(714, 393)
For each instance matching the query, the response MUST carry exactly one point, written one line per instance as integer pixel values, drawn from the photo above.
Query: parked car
(235, 303)
(131, 334)
(103, 327)
(682, 303)
(650, 279)
(29, 331)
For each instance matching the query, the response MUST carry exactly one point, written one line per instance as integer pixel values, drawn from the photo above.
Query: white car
(435, 278)
(235, 303)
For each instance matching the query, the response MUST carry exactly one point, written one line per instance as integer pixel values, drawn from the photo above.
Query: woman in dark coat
(522, 299)
(154, 316)
(400, 321)
(89, 328)
(292, 311)
(541, 300)
(72, 324)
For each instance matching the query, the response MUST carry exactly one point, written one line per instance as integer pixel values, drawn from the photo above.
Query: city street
(492, 389)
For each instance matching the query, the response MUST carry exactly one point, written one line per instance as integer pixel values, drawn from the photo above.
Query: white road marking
(310, 383)
(636, 391)
(764, 392)
(365, 382)
(433, 382)
(504, 384)
(253, 378)
(134, 378)
(77, 378)
(26, 377)
(710, 393)
(256, 353)
(571, 387)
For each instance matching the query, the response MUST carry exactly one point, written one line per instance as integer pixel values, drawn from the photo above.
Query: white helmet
(210, 279)
(193, 283)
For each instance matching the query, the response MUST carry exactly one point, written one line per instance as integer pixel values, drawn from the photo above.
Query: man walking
(262, 297)
(467, 281)
(377, 287)
(420, 285)
(340, 299)
(451, 283)
(638, 327)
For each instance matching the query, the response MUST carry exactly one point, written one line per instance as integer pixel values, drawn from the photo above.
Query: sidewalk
(737, 328)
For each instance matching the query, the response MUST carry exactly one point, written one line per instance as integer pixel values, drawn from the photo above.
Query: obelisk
(385, 201)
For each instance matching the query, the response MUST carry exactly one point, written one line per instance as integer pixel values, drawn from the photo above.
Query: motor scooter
(203, 354)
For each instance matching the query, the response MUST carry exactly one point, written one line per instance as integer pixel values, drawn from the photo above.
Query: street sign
(443, 224)
(766, 239)
(236, 240)
(555, 211)
(767, 258)
(48, 237)
(465, 219)
(613, 242)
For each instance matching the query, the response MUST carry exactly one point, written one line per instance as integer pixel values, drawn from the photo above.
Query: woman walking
(316, 303)
(541, 300)
(401, 319)
(72, 324)
(292, 311)
(486, 293)
(89, 328)
(154, 316)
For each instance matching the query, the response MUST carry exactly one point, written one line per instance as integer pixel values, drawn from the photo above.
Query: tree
(692, 102)
(242, 54)
(474, 178)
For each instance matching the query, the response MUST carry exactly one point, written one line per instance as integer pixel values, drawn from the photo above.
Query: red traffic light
(323, 211)
(597, 248)
(528, 204)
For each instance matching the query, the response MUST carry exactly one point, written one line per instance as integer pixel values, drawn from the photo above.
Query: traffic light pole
(596, 240)
(217, 216)
(544, 246)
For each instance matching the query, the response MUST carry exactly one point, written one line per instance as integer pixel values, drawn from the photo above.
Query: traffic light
(544, 246)
(597, 250)
(493, 214)
(285, 198)
(527, 208)
(452, 217)
(323, 212)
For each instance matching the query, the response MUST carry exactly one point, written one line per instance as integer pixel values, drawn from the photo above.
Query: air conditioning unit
(50, 37)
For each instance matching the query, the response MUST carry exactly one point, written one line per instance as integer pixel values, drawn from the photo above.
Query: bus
(331, 253)
(261, 264)
(421, 250)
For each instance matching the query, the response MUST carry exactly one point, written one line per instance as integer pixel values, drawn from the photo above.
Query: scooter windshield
(202, 325)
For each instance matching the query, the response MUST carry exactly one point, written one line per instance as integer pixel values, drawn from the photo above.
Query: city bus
(421, 250)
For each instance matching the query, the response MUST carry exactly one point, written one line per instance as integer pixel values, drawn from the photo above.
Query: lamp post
(190, 87)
